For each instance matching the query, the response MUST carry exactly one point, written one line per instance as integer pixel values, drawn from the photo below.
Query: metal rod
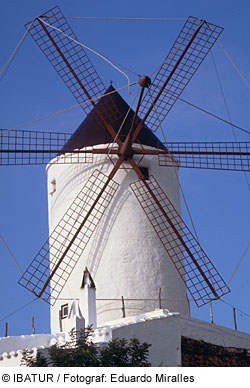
(188, 305)
(60, 321)
(108, 126)
(130, 299)
(135, 151)
(220, 153)
(136, 169)
(159, 298)
(6, 246)
(137, 109)
(61, 152)
(178, 235)
(33, 325)
(175, 152)
(123, 308)
(126, 148)
(211, 312)
(6, 329)
(235, 322)
(135, 299)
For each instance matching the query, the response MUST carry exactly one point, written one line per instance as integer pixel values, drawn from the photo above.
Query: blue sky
(218, 201)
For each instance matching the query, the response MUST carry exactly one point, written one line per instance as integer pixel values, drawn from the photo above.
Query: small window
(64, 311)
(144, 171)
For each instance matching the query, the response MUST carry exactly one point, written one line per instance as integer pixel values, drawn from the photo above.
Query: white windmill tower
(112, 206)
(124, 255)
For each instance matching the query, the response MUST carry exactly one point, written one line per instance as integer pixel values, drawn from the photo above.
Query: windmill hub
(144, 81)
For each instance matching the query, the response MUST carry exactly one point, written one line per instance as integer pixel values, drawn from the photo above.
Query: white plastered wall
(13, 348)
(124, 255)
(164, 331)
(159, 328)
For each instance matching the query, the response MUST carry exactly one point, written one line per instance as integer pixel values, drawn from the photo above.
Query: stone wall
(201, 353)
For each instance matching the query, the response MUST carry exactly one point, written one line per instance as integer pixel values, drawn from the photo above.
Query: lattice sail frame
(71, 62)
(234, 156)
(194, 267)
(60, 241)
(196, 53)
(19, 147)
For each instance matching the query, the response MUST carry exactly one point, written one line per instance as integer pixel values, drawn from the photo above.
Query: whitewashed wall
(12, 348)
(124, 256)
(160, 328)
(164, 334)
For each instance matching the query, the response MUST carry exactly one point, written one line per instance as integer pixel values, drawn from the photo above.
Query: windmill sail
(54, 36)
(187, 53)
(195, 268)
(33, 147)
(209, 155)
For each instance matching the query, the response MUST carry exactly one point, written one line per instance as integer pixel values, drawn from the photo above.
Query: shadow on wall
(74, 177)
(104, 229)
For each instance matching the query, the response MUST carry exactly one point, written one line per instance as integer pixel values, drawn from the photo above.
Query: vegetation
(81, 351)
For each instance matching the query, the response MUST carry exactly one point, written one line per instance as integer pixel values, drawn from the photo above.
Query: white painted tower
(124, 255)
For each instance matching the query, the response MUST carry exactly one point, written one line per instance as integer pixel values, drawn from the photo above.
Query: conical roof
(89, 134)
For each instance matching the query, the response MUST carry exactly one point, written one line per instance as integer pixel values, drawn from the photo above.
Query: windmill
(52, 267)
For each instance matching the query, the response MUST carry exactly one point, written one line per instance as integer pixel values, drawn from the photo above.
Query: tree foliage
(81, 351)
